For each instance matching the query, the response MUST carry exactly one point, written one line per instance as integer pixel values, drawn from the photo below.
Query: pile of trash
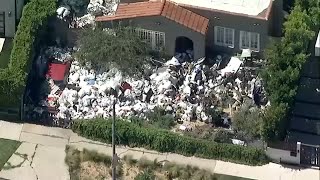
(58, 54)
(93, 9)
(188, 91)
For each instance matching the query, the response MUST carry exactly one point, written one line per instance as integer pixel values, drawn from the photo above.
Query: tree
(285, 60)
(248, 121)
(120, 48)
(313, 10)
(274, 122)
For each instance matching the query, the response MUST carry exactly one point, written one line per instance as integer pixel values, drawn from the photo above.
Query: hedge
(285, 60)
(13, 79)
(132, 135)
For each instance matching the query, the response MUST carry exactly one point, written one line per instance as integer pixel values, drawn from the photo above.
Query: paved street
(44, 147)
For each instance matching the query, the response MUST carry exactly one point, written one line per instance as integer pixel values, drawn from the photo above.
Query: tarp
(1, 43)
(57, 72)
(232, 67)
(317, 46)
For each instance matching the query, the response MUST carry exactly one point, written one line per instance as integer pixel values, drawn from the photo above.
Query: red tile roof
(167, 9)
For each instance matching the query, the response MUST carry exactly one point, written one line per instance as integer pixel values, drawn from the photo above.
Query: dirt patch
(91, 171)
(130, 172)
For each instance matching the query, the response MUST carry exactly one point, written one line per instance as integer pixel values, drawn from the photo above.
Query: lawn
(5, 53)
(7, 148)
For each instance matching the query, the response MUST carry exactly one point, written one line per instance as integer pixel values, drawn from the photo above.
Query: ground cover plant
(90, 165)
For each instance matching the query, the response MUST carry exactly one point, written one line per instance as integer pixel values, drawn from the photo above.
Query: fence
(283, 152)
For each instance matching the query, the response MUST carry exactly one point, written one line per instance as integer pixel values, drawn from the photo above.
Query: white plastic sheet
(232, 67)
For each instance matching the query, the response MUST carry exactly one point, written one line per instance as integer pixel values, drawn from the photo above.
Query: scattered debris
(71, 10)
(188, 90)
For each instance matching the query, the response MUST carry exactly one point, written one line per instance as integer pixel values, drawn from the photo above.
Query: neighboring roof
(167, 9)
(245, 7)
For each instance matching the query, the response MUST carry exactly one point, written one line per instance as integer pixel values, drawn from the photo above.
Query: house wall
(238, 23)
(172, 30)
(20, 4)
(279, 155)
(276, 18)
(10, 21)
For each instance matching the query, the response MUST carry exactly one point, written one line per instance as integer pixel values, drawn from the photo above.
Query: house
(10, 13)
(217, 25)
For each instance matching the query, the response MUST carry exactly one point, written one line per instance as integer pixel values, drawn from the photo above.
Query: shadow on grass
(7, 148)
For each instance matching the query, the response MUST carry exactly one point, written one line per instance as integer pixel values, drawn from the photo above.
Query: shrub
(34, 19)
(165, 141)
(159, 118)
(147, 174)
(247, 121)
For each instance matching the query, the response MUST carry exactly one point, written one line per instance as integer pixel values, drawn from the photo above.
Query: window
(224, 36)
(155, 38)
(249, 40)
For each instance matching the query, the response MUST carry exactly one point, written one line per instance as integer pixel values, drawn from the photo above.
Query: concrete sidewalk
(44, 147)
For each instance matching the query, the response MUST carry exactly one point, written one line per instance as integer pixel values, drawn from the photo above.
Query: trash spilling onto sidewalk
(187, 90)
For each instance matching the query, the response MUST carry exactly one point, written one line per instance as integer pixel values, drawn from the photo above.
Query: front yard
(91, 165)
(7, 148)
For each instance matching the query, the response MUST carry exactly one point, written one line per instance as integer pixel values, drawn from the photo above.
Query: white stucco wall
(10, 21)
(284, 155)
(317, 46)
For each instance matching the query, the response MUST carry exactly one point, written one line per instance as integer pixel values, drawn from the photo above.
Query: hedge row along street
(132, 135)
(30, 31)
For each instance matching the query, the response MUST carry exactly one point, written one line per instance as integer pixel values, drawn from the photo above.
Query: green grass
(7, 148)
(226, 177)
(5, 53)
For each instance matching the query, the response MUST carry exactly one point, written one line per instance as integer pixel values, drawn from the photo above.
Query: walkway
(44, 147)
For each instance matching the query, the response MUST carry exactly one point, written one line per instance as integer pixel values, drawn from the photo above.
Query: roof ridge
(166, 8)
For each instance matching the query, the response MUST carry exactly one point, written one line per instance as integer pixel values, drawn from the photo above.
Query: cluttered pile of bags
(187, 90)
(74, 9)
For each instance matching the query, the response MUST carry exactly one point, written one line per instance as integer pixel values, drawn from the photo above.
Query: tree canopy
(120, 48)
(284, 64)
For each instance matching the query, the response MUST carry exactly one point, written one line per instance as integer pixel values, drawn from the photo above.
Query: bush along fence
(285, 60)
(132, 135)
(33, 22)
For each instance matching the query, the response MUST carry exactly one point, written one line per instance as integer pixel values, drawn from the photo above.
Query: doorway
(184, 45)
